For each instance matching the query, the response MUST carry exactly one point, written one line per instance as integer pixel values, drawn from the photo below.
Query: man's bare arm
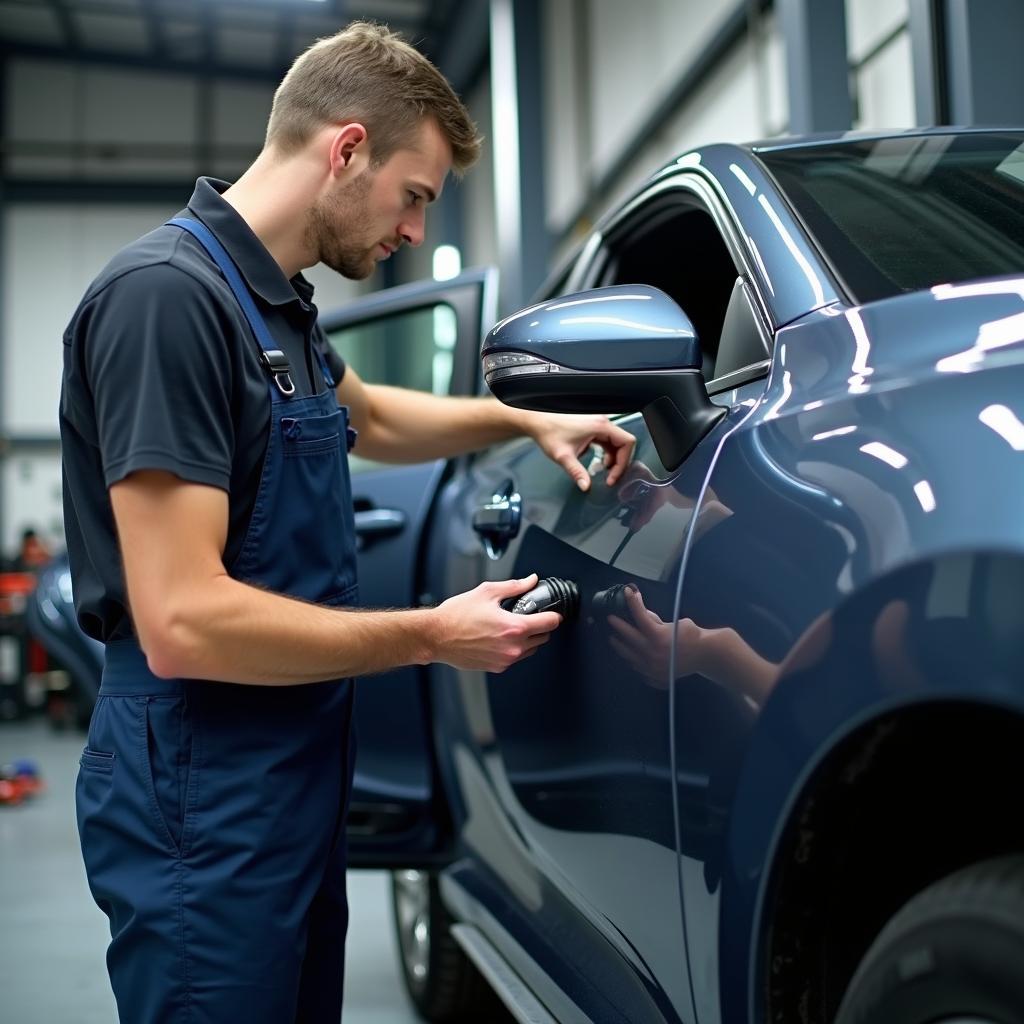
(195, 621)
(401, 425)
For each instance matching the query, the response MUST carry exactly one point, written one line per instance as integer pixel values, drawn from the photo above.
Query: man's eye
(414, 197)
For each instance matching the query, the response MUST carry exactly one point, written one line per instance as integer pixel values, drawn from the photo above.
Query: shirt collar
(261, 271)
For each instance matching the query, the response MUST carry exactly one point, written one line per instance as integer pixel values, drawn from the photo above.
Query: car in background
(770, 771)
(51, 620)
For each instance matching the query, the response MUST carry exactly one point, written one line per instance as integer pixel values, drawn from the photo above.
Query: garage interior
(109, 111)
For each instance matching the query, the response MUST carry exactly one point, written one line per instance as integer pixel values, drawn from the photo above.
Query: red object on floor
(19, 781)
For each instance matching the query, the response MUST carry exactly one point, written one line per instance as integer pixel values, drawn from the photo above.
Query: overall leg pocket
(93, 795)
(167, 756)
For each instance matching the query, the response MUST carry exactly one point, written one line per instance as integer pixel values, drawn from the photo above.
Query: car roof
(839, 138)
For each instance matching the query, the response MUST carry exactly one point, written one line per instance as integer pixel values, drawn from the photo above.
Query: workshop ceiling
(238, 38)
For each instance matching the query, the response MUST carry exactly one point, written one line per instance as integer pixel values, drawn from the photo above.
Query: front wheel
(952, 955)
(442, 983)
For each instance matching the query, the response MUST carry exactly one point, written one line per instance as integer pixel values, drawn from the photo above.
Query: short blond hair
(368, 73)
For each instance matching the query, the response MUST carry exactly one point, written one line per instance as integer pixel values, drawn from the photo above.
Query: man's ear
(349, 150)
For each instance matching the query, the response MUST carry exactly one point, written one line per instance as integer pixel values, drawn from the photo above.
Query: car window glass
(397, 350)
(897, 215)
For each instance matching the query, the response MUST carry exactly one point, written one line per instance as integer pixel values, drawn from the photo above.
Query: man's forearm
(232, 632)
(412, 426)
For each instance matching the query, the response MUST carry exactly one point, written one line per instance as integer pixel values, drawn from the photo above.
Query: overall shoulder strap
(271, 356)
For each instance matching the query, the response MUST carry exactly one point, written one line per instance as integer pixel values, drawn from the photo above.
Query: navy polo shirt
(162, 371)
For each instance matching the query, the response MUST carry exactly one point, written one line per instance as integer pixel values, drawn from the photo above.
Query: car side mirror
(621, 349)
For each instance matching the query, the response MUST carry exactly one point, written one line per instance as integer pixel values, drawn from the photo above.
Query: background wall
(105, 132)
(97, 150)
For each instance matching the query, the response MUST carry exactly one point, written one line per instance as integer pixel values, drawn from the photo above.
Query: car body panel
(869, 491)
(852, 527)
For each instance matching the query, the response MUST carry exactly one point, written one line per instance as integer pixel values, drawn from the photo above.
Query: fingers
(540, 623)
(511, 588)
(619, 446)
(568, 460)
(630, 634)
(644, 618)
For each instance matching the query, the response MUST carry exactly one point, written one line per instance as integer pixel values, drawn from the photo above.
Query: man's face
(366, 219)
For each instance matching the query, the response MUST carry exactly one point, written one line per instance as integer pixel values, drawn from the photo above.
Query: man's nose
(412, 233)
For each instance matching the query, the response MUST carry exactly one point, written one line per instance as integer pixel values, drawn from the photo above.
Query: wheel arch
(870, 775)
(904, 800)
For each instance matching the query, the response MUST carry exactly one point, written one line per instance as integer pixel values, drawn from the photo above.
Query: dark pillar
(983, 61)
(817, 65)
(4, 73)
(927, 46)
(523, 242)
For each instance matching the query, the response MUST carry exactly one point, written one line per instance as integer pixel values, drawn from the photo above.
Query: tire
(442, 982)
(952, 955)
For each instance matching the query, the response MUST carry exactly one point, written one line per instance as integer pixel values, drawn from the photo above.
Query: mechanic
(205, 423)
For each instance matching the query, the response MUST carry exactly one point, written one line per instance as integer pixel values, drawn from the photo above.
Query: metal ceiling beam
(75, 191)
(237, 10)
(141, 62)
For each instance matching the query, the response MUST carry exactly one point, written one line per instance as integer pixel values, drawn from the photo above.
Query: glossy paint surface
(846, 543)
(858, 469)
(878, 480)
(617, 328)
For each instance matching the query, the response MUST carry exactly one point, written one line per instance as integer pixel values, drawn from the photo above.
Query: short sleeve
(156, 362)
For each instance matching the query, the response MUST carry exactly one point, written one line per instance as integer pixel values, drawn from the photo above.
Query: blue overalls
(212, 815)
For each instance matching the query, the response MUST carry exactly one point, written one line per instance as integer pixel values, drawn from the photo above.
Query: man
(209, 524)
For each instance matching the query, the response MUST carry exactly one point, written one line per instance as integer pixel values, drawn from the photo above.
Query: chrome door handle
(498, 521)
(374, 523)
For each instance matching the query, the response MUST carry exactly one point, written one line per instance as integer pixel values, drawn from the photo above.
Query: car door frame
(590, 264)
(390, 823)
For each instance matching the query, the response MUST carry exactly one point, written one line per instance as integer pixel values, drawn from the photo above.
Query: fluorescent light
(925, 495)
(1005, 423)
(882, 451)
(447, 263)
(838, 432)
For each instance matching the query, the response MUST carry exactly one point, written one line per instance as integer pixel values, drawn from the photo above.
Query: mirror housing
(621, 349)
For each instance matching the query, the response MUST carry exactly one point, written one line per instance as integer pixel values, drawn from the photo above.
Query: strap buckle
(276, 363)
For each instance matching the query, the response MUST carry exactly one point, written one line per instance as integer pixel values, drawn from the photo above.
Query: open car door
(424, 336)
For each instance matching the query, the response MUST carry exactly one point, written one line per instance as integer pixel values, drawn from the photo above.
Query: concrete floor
(53, 937)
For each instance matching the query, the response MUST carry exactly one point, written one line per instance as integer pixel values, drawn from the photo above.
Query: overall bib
(212, 815)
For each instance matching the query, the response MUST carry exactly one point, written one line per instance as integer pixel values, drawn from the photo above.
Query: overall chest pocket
(312, 435)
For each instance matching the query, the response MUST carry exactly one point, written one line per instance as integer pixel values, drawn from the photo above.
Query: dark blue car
(771, 768)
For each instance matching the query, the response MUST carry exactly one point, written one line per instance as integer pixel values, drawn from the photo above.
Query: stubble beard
(338, 227)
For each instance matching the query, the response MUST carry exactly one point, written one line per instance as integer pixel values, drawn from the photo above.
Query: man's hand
(475, 632)
(645, 644)
(564, 438)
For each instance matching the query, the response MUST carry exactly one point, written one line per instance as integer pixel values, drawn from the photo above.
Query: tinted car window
(896, 215)
(394, 350)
